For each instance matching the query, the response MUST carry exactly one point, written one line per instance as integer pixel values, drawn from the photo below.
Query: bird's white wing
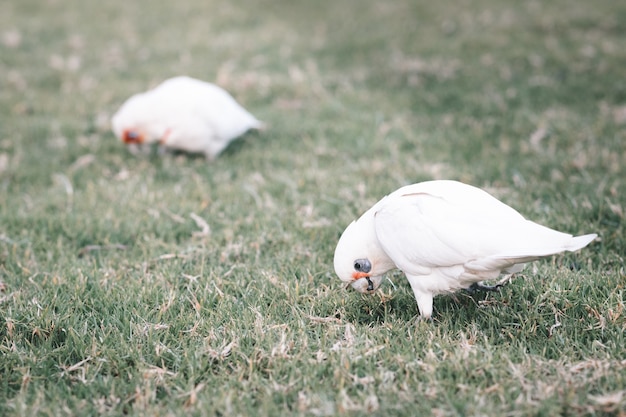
(209, 103)
(454, 224)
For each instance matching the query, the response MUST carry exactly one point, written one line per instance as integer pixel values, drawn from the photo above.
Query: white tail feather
(504, 260)
(579, 242)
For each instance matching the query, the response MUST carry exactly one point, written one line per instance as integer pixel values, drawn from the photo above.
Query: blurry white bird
(444, 236)
(186, 114)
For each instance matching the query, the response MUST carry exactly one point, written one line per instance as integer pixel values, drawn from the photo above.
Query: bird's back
(446, 223)
(215, 108)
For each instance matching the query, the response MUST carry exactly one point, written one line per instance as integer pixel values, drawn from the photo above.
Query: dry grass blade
(92, 248)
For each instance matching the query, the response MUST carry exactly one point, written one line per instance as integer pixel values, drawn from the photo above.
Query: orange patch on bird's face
(132, 136)
(359, 275)
(165, 135)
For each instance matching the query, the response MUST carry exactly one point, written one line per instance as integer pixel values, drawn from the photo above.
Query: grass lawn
(115, 300)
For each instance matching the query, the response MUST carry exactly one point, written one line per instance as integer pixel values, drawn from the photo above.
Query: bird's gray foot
(479, 286)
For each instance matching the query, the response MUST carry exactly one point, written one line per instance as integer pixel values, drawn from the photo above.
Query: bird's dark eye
(362, 265)
(132, 134)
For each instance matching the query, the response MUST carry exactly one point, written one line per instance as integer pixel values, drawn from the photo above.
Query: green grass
(113, 303)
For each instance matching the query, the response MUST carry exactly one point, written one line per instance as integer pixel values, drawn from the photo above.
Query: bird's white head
(359, 259)
(135, 124)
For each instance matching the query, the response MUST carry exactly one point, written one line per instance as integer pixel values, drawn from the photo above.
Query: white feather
(445, 235)
(186, 114)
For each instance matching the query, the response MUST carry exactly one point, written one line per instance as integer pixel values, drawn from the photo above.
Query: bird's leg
(423, 297)
(370, 284)
(425, 305)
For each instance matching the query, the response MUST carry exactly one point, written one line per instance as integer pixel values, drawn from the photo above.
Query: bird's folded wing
(424, 230)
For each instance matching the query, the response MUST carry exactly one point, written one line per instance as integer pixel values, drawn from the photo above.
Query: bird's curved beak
(366, 284)
(370, 284)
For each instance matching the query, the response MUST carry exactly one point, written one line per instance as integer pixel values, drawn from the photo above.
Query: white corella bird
(186, 114)
(445, 236)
